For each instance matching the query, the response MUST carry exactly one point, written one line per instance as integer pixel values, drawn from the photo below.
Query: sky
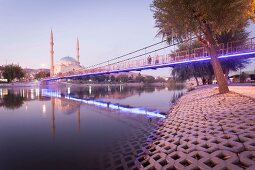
(106, 29)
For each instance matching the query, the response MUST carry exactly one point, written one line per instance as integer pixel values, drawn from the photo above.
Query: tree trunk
(194, 74)
(218, 72)
(196, 80)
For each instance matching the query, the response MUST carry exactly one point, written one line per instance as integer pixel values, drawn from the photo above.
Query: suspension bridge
(147, 58)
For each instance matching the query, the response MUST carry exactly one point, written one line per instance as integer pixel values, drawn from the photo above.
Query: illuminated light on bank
(89, 101)
(37, 92)
(3, 80)
(51, 93)
(5, 92)
(113, 106)
(68, 90)
(90, 90)
(142, 111)
(44, 109)
(32, 94)
(74, 99)
(101, 104)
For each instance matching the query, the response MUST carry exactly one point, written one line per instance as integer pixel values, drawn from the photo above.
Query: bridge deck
(229, 50)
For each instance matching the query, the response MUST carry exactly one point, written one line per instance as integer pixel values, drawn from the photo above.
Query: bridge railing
(201, 52)
(175, 56)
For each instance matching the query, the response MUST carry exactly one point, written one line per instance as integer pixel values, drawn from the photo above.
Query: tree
(10, 72)
(196, 70)
(239, 36)
(179, 19)
(160, 80)
(243, 77)
(112, 78)
(149, 79)
(204, 70)
(42, 74)
(139, 78)
(101, 78)
(122, 78)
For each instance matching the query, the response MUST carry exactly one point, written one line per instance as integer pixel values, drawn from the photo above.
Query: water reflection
(116, 92)
(15, 98)
(65, 107)
(52, 118)
(73, 131)
(12, 101)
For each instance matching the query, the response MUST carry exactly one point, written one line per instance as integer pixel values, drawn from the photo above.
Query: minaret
(77, 51)
(51, 54)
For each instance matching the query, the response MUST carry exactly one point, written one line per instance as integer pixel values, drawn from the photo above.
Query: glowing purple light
(151, 66)
(51, 93)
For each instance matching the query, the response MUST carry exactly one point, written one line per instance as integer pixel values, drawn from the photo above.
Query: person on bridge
(157, 60)
(149, 59)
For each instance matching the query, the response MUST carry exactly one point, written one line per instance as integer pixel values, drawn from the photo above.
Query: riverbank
(117, 84)
(19, 84)
(204, 130)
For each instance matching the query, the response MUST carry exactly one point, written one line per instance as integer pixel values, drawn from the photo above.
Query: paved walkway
(244, 90)
(205, 130)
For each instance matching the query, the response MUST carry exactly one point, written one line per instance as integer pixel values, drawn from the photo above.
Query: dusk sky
(106, 29)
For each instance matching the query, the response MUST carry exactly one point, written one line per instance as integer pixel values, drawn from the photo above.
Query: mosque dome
(68, 59)
(66, 64)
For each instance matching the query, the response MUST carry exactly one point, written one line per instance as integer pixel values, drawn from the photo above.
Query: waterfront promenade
(204, 130)
(244, 90)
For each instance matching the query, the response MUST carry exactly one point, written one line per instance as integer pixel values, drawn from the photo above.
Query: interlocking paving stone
(204, 130)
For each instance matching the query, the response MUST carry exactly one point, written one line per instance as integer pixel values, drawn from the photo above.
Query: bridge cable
(159, 49)
(127, 54)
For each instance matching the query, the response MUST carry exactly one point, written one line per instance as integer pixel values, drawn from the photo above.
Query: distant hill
(30, 70)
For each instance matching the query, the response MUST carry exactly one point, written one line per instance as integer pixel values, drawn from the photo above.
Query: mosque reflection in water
(69, 102)
(16, 98)
(86, 128)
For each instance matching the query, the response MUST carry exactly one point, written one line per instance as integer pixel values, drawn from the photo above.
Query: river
(73, 127)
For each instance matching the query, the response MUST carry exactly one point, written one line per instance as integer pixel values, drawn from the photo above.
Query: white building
(67, 64)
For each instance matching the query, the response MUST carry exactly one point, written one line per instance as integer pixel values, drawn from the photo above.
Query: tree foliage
(196, 70)
(239, 36)
(179, 19)
(42, 74)
(149, 79)
(176, 19)
(205, 70)
(10, 72)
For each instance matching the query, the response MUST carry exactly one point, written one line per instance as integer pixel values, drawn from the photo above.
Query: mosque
(65, 64)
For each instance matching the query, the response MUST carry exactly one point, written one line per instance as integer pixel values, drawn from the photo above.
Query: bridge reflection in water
(74, 127)
(102, 104)
(126, 149)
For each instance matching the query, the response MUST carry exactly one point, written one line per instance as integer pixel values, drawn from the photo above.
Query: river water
(79, 128)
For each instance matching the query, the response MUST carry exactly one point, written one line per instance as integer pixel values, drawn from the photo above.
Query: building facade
(65, 64)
